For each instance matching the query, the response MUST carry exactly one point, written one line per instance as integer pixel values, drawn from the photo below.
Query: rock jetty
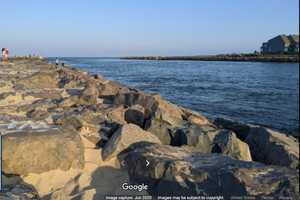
(251, 57)
(68, 134)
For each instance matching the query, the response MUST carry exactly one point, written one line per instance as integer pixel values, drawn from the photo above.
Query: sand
(96, 179)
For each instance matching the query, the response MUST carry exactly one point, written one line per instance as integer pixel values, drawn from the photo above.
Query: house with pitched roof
(281, 44)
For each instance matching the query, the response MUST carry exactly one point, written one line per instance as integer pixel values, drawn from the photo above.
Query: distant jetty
(291, 58)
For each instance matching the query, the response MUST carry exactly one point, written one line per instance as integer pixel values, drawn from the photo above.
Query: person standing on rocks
(5, 53)
(57, 62)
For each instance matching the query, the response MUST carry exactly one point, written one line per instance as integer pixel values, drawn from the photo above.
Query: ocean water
(251, 92)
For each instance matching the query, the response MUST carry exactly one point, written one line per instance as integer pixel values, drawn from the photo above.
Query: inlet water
(251, 92)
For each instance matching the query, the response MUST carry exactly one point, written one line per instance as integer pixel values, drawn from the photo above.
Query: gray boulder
(135, 115)
(177, 171)
(151, 112)
(132, 98)
(19, 191)
(164, 120)
(194, 136)
(266, 146)
(241, 130)
(274, 148)
(207, 139)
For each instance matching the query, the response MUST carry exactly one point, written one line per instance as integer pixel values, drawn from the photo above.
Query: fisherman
(56, 62)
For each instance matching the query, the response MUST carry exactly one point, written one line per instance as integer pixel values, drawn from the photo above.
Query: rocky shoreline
(282, 58)
(71, 135)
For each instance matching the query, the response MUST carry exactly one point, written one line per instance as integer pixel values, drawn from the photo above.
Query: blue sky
(142, 27)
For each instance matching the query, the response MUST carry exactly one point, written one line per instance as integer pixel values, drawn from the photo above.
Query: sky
(100, 28)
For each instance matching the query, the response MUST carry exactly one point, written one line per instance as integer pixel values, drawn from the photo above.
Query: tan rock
(125, 136)
(168, 109)
(40, 80)
(117, 114)
(17, 99)
(35, 151)
(89, 95)
(90, 132)
(227, 143)
(195, 117)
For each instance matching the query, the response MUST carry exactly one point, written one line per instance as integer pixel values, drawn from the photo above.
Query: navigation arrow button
(147, 163)
(123, 163)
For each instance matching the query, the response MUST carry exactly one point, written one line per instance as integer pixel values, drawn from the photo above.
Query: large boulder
(18, 191)
(151, 112)
(162, 129)
(16, 99)
(72, 78)
(89, 95)
(125, 136)
(69, 120)
(46, 93)
(151, 103)
(98, 135)
(37, 105)
(241, 130)
(116, 114)
(207, 139)
(40, 80)
(175, 171)
(227, 143)
(169, 111)
(113, 92)
(135, 97)
(266, 146)
(195, 117)
(274, 148)
(38, 114)
(165, 118)
(37, 151)
(194, 136)
(136, 115)
(69, 102)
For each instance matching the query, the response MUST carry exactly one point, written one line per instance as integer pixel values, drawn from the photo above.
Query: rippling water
(252, 92)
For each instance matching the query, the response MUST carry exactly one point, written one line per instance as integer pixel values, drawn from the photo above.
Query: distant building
(281, 44)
